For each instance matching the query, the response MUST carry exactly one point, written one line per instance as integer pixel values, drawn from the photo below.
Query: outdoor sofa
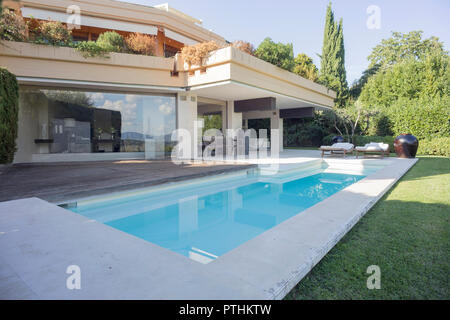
(373, 147)
(341, 148)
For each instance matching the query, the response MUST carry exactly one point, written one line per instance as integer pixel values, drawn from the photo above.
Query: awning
(89, 21)
(180, 38)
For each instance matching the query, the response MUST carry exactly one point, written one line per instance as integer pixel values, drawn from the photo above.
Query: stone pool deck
(39, 240)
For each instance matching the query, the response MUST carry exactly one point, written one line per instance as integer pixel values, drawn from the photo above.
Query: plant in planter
(9, 110)
(196, 54)
(54, 33)
(244, 46)
(112, 42)
(91, 49)
(141, 44)
(12, 26)
(34, 29)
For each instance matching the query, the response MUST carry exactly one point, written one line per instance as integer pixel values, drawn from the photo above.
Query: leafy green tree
(357, 86)
(213, 121)
(279, 54)
(410, 87)
(305, 67)
(402, 47)
(410, 79)
(332, 64)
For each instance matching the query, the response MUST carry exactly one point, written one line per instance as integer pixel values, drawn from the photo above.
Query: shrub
(307, 132)
(436, 147)
(112, 42)
(12, 26)
(34, 29)
(328, 139)
(197, 53)
(9, 109)
(244, 46)
(89, 49)
(141, 44)
(424, 118)
(54, 33)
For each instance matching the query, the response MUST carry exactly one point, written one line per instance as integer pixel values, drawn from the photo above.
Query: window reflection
(91, 122)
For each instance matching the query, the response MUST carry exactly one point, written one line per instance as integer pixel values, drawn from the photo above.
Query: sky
(301, 22)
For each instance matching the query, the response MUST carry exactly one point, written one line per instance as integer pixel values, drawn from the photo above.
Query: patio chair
(373, 147)
(338, 148)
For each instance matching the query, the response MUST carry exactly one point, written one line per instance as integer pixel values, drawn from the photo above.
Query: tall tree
(279, 54)
(399, 48)
(332, 63)
(305, 67)
(403, 46)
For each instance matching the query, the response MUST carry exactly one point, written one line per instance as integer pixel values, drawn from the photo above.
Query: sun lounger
(338, 148)
(373, 147)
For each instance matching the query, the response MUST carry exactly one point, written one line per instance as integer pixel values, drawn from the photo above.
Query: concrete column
(234, 119)
(277, 123)
(187, 119)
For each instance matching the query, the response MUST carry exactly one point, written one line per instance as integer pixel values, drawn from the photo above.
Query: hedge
(9, 113)
(426, 119)
(435, 147)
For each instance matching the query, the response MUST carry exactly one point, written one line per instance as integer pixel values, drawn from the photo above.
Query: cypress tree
(332, 64)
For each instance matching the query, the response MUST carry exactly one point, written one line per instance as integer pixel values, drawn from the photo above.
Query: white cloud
(131, 98)
(97, 96)
(166, 109)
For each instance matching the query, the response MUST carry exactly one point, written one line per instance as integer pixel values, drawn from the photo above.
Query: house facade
(126, 106)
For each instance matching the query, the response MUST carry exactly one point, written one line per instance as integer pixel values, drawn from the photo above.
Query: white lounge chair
(373, 147)
(338, 148)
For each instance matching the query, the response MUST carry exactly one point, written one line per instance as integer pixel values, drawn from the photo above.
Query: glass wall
(67, 121)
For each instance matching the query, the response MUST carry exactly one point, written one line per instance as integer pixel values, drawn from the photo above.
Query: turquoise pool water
(203, 224)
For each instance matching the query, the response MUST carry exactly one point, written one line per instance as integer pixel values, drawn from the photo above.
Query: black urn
(406, 146)
(337, 139)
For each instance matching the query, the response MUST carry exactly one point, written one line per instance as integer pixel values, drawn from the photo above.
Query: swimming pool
(205, 220)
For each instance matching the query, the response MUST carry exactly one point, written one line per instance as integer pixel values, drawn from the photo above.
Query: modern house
(126, 106)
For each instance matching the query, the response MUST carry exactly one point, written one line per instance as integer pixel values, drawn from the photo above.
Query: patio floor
(58, 182)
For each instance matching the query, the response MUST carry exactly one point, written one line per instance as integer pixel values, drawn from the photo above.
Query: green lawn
(406, 234)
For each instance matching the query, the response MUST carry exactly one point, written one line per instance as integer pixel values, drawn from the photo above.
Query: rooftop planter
(44, 61)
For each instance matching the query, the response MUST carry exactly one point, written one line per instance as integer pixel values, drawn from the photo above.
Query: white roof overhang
(233, 90)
